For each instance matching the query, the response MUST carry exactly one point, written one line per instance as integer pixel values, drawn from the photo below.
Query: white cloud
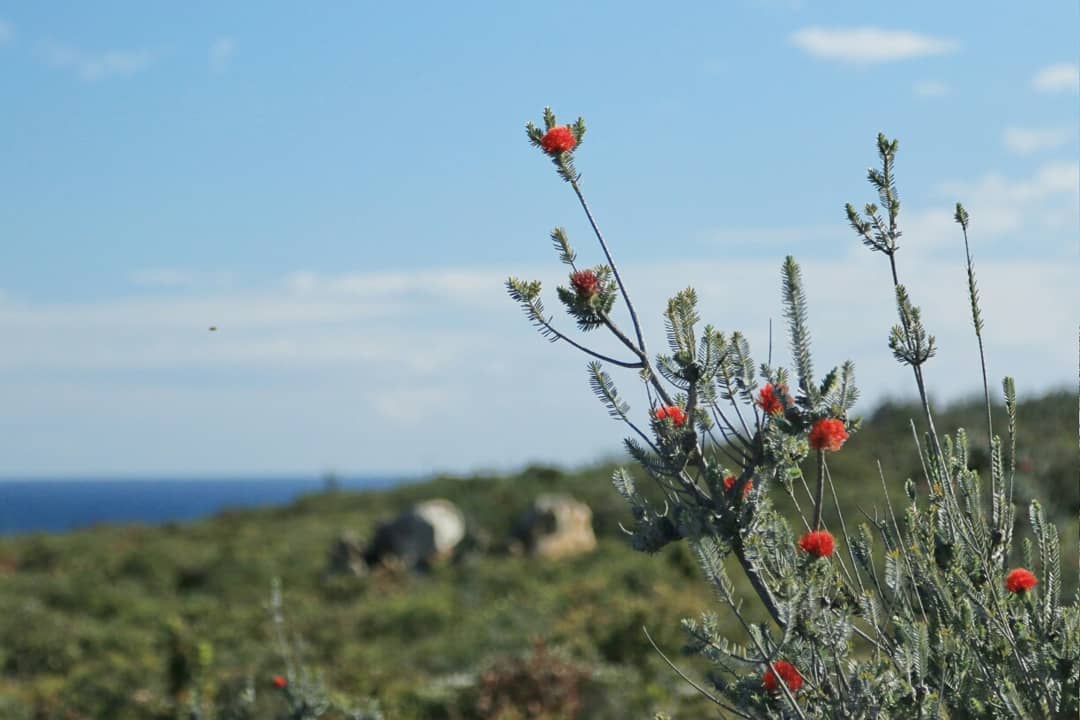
(1052, 180)
(931, 89)
(97, 66)
(1026, 141)
(1063, 77)
(1010, 217)
(6, 32)
(222, 51)
(869, 44)
(438, 370)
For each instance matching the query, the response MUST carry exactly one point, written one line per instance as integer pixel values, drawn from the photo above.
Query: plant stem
(611, 263)
(976, 318)
(819, 491)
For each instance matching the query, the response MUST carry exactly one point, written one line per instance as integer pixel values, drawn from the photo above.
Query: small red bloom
(828, 434)
(769, 401)
(787, 672)
(818, 543)
(558, 140)
(585, 283)
(730, 480)
(676, 413)
(279, 682)
(1020, 580)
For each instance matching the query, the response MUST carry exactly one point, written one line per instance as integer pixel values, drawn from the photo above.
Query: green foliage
(111, 618)
(117, 622)
(932, 625)
(795, 310)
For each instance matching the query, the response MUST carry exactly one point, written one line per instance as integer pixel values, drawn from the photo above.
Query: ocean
(60, 505)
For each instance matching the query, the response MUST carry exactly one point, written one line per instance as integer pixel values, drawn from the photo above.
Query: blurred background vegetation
(134, 621)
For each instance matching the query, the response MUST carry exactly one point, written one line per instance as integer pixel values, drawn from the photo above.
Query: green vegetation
(133, 622)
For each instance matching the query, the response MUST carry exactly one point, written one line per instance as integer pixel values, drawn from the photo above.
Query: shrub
(926, 610)
(537, 686)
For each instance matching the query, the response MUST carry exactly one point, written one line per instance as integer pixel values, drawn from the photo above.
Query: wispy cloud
(931, 89)
(92, 66)
(1063, 77)
(1010, 216)
(378, 370)
(869, 44)
(222, 51)
(1027, 141)
(7, 32)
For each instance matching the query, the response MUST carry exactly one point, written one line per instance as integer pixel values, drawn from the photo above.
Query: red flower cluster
(1020, 580)
(828, 434)
(676, 413)
(787, 672)
(818, 543)
(769, 401)
(279, 682)
(585, 283)
(730, 480)
(558, 140)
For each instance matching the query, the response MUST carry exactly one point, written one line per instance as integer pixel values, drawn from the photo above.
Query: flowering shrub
(827, 434)
(787, 673)
(558, 140)
(301, 693)
(671, 412)
(769, 401)
(730, 480)
(818, 543)
(1020, 580)
(913, 618)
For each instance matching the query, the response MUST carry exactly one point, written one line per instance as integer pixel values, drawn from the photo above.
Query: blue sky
(342, 190)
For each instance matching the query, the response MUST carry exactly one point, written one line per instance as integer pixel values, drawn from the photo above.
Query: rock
(556, 526)
(423, 534)
(346, 556)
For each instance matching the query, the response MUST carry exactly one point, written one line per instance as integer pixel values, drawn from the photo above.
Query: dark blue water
(59, 505)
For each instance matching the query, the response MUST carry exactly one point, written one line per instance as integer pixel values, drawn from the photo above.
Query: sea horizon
(65, 504)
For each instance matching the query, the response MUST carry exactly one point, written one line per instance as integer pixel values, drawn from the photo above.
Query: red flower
(279, 682)
(818, 543)
(558, 140)
(730, 480)
(828, 434)
(585, 283)
(787, 672)
(1020, 580)
(676, 413)
(769, 401)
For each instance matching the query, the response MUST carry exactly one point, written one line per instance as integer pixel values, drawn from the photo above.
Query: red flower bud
(1020, 580)
(585, 283)
(786, 671)
(279, 682)
(730, 480)
(769, 401)
(818, 543)
(676, 413)
(828, 434)
(558, 140)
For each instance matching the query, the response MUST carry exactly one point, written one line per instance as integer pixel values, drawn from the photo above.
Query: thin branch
(559, 336)
(611, 262)
(819, 490)
(976, 319)
(705, 693)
